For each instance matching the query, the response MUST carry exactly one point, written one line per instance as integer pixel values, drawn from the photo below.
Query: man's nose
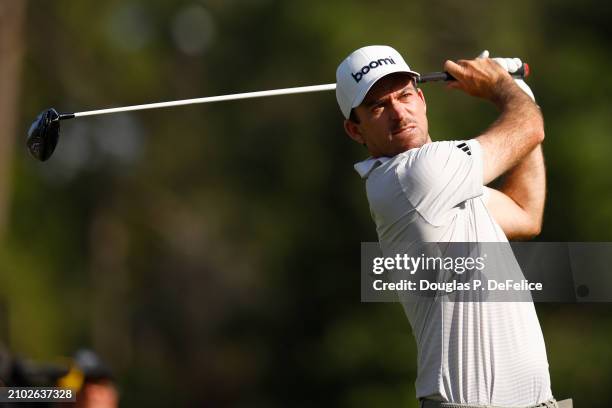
(396, 110)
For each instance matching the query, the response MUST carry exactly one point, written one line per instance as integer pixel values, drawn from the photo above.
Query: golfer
(470, 354)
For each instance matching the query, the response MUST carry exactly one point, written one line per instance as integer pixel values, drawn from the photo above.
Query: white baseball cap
(361, 70)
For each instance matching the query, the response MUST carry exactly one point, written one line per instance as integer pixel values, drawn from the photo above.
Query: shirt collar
(364, 168)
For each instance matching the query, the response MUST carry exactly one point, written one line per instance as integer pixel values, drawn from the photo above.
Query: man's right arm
(519, 127)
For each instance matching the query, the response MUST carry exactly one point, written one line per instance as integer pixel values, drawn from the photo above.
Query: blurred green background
(210, 253)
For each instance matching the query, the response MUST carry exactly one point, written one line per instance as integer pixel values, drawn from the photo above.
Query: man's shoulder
(438, 150)
(429, 156)
(449, 146)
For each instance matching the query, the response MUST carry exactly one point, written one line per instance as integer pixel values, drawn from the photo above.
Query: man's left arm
(518, 205)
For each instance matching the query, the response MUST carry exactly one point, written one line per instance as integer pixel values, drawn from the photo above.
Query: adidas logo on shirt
(463, 146)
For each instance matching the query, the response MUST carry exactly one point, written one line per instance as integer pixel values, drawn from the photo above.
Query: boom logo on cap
(372, 65)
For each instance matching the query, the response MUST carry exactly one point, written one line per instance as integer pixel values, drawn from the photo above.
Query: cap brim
(362, 94)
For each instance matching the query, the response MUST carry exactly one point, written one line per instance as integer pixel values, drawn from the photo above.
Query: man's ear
(352, 129)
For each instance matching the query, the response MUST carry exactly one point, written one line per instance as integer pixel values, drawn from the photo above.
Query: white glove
(511, 65)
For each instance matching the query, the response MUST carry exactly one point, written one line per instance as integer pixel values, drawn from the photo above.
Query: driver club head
(44, 134)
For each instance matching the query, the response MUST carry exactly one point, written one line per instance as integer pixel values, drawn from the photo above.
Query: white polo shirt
(481, 353)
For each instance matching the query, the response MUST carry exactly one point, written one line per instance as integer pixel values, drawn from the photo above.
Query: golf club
(44, 131)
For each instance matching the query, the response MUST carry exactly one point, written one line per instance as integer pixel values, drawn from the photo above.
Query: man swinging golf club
(470, 354)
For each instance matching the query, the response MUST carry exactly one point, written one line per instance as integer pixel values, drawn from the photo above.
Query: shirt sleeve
(440, 176)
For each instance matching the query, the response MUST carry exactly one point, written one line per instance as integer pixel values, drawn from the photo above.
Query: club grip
(521, 73)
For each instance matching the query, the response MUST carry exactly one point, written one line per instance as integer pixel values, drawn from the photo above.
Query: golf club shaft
(434, 76)
(220, 98)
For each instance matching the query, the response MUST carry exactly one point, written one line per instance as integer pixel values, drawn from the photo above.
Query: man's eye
(377, 108)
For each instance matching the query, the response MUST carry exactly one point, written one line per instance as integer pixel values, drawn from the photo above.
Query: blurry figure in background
(93, 381)
(17, 371)
(21, 372)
